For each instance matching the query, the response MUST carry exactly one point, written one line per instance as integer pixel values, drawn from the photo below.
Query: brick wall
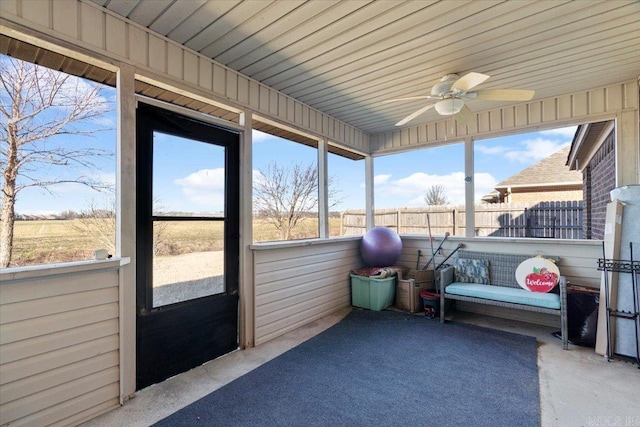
(546, 196)
(599, 179)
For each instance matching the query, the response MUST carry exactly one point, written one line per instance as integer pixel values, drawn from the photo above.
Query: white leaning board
(612, 229)
(625, 339)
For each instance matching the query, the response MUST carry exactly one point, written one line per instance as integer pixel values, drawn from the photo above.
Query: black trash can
(582, 315)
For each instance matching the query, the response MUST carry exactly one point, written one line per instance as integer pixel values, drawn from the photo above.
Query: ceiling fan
(448, 97)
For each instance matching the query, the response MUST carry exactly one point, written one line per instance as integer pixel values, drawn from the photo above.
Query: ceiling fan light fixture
(449, 106)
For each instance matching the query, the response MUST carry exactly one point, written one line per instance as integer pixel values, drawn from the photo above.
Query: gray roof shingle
(550, 170)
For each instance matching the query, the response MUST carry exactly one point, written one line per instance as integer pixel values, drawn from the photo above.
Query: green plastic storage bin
(371, 293)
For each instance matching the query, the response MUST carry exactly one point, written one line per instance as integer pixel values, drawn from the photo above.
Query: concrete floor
(577, 387)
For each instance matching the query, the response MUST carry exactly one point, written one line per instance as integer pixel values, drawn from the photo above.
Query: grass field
(51, 241)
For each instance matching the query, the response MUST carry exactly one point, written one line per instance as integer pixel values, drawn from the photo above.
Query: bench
(502, 289)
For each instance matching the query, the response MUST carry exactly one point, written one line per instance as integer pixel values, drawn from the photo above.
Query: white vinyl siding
(59, 343)
(298, 283)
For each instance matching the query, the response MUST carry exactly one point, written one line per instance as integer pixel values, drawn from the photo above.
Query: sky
(188, 175)
(401, 180)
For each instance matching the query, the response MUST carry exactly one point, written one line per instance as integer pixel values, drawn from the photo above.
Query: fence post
(454, 221)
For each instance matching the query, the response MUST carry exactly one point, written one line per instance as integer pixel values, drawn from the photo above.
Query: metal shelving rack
(621, 266)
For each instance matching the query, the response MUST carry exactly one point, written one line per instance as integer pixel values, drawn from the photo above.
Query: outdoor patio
(77, 338)
(577, 387)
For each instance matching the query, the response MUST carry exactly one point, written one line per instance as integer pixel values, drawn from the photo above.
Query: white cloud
(107, 178)
(409, 191)
(531, 150)
(484, 183)
(105, 121)
(257, 136)
(497, 149)
(211, 179)
(257, 177)
(534, 150)
(204, 187)
(526, 152)
(381, 179)
(72, 188)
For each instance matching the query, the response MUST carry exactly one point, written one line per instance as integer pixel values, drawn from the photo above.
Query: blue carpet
(384, 369)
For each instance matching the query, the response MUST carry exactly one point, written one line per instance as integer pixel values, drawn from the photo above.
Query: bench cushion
(504, 294)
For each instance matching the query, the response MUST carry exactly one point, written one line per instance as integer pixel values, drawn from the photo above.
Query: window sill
(31, 272)
(281, 244)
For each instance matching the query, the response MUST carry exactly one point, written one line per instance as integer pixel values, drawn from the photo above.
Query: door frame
(152, 324)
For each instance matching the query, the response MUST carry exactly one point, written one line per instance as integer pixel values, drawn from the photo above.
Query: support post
(126, 225)
(247, 286)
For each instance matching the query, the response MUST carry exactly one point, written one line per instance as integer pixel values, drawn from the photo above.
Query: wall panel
(175, 61)
(36, 12)
(116, 36)
(65, 17)
(9, 6)
(296, 284)
(98, 401)
(137, 46)
(48, 343)
(157, 55)
(59, 343)
(565, 104)
(91, 25)
(205, 74)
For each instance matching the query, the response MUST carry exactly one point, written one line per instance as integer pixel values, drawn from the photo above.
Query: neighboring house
(593, 153)
(549, 180)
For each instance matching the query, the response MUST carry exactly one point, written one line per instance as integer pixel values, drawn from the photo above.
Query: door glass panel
(188, 260)
(188, 255)
(188, 177)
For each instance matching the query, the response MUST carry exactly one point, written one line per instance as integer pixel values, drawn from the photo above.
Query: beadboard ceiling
(345, 58)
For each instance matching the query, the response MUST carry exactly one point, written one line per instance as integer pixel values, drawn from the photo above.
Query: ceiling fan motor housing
(444, 85)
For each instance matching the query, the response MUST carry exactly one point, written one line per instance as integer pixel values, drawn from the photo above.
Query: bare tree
(286, 195)
(436, 196)
(37, 104)
(99, 224)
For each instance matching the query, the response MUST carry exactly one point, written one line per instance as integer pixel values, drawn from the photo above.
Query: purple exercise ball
(381, 247)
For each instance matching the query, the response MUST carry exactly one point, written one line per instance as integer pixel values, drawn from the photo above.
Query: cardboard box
(409, 287)
(371, 293)
(420, 276)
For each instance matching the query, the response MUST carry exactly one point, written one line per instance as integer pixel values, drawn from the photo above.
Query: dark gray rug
(384, 369)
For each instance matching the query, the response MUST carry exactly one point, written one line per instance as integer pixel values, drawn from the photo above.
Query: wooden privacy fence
(560, 220)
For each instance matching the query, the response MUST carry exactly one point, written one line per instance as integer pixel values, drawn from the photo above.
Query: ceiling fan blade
(411, 98)
(465, 117)
(414, 115)
(469, 81)
(505, 94)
